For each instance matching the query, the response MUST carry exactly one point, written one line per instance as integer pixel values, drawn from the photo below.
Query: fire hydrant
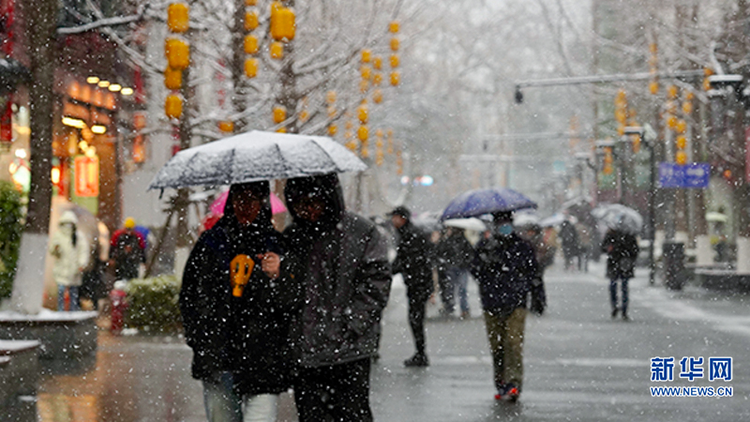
(119, 306)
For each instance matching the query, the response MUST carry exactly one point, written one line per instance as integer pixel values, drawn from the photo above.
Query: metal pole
(651, 213)
(578, 80)
(669, 194)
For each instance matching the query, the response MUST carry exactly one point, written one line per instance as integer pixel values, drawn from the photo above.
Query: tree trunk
(288, 96)
(41, 21)
(237, 66)
(182, 201)
(28, 286)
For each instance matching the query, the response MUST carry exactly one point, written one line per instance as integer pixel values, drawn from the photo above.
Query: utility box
(674, 265)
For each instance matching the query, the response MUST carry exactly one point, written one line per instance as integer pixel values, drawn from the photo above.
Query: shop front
(84, 146)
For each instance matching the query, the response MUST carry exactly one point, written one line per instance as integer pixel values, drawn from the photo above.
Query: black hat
(502, 216)
(401, 211)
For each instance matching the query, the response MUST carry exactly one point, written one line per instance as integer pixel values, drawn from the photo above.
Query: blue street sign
(693, 176)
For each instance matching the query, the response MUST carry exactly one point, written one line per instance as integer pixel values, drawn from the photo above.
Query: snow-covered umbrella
(716, 217)
(553, 220)
(619, 217)
(473, 224)
(253, 156)
(525, 219)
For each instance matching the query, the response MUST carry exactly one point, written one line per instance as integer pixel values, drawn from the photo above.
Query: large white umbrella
(619, 217)
(254, 156)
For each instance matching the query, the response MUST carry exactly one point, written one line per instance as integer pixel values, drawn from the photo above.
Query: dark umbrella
(486, 201)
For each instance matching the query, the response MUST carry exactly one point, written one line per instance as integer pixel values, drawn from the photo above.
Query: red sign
(6, 122)
(86, 176)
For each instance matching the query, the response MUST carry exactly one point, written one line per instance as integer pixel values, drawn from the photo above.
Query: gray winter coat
(343, 266)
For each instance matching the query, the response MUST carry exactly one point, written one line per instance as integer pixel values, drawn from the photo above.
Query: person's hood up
(326, 186)
(68, 217)
(263, 221)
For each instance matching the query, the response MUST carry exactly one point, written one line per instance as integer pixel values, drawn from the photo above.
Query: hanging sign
(693, 176)
(86, 176)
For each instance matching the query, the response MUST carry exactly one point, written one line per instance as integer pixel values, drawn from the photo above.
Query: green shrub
(11, 228)
(153, 304)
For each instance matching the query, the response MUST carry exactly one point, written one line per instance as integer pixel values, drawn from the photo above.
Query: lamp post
(647, 141)
(646, 135)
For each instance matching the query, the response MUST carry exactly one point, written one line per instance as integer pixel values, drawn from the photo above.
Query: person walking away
(622, 250)
(551, 246)
(455, 254)
(340, 259)
(584, 248)
(538, 297)
(505, 267)
(413, 261)
(127, 251)
(569, 240)
(236, 302)
(70, 252)
(93, 285)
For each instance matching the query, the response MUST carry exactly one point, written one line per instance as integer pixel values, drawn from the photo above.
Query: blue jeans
(222, 404)
(73, 292)
(613, 294)
(259, 408)
(456, 278)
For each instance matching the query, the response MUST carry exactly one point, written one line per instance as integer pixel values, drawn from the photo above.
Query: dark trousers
(335, 393)
(417, 308)
(613, 294)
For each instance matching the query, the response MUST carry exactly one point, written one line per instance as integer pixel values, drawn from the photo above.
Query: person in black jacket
(413, 261)
(622, 248)
(570, 242)
(340, 259)
(505, 267)
(235, 303)
(455, 254)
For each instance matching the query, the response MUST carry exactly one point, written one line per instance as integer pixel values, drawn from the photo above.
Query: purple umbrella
(486, 201)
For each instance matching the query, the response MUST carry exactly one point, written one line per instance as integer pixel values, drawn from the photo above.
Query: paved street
(580, 364)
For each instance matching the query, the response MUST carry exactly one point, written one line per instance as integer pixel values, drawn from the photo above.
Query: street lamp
(646, 140)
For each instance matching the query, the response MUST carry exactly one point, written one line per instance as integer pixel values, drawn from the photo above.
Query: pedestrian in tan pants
(505, 267)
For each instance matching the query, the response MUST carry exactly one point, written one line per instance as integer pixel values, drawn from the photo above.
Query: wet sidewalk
(580, 364)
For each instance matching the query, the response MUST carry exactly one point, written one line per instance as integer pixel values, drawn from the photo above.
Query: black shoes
(416, 361)
(624, 314)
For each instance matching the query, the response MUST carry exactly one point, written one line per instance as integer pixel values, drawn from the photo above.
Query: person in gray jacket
(340, 260)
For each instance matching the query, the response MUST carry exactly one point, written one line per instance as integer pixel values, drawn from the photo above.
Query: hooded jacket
(414, 255)
(69, 255)
(341, 262)
(247, 335)
(623, 254)
(505, 268)
(455, 251)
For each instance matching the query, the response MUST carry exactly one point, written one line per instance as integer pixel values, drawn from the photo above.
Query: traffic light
(608, 161)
